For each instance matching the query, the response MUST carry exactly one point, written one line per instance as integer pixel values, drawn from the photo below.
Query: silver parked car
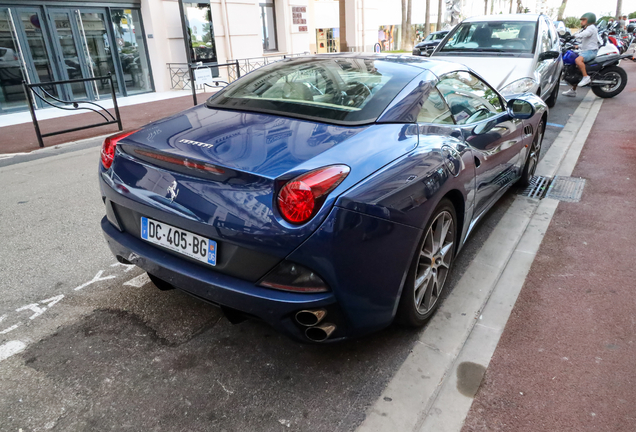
(516, 53)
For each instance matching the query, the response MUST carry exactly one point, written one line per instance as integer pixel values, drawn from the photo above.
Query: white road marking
(33, 307)
(127, 267)
(51, 301)
(10, 348)
(98, 277)
(139, 281)
(13, 327)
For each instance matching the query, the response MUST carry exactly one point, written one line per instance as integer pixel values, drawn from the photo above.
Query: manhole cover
(567, 189)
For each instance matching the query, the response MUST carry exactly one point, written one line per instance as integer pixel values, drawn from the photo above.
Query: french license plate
(178, 240)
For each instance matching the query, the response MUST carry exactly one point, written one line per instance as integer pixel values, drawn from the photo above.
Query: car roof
(437, 67)
(507, 17)
(441, 31)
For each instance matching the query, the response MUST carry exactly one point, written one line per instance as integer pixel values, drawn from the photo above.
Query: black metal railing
(180, 78)
(39, 90)
(247, 65)
(180, 74)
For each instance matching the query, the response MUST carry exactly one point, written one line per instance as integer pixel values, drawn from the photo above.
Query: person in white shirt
(588, 45)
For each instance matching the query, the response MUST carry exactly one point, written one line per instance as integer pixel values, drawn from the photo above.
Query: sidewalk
(567, 358)
(21, 137)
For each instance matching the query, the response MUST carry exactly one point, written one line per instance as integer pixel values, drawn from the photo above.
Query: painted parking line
(139, 281)
(555, 125)
(10, 348)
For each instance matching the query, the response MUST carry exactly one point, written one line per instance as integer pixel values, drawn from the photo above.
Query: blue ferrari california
(326, 195)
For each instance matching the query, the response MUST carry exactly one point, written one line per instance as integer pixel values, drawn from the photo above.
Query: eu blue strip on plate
(144, 228)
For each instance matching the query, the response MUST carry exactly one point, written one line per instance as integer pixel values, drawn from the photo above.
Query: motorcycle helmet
(569, 57)
(590, 17)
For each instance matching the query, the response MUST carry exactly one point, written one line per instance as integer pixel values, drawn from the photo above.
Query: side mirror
(520, 109)
(548, 55)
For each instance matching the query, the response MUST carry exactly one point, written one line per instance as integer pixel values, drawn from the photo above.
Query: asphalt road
(100, 348)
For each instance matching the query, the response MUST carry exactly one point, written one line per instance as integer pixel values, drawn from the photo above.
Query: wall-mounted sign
(203, 76)
(299, 19)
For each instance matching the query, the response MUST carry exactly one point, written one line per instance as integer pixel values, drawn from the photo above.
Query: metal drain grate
(568, 189)
(538, 187)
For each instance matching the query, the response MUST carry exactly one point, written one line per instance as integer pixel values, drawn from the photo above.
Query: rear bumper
(277, 308)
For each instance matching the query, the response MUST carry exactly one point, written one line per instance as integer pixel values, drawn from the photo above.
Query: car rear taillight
(301, 198)
(108, 148)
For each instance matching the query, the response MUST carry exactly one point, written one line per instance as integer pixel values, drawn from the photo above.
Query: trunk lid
(251, 156)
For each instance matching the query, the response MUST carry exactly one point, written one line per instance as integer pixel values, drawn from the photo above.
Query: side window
(435, 110)
(469, 98)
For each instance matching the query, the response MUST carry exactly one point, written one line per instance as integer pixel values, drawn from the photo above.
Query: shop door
(82, 37)
(24, 32)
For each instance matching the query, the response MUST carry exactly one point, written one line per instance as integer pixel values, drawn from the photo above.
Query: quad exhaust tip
(310, 318)
(320, 333)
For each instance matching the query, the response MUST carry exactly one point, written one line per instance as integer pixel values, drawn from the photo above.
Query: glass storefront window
(268, 26)
(131, 49)
(70, 56)
(100, 59)
(199, 21)
(70, 43)
(11, 72)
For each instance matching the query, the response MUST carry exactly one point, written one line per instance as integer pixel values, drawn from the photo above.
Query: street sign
(203, 76)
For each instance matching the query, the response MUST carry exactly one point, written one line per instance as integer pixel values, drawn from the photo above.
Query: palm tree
(564, 3)
(407, 28)
(438, 26)
(427, 21)
(485, 7)
(619, 8)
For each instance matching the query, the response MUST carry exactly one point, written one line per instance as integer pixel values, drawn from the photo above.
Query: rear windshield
(340, 90)
(512, 37)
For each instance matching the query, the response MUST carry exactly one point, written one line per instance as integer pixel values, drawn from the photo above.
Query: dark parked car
(326, 195)
(427, 46)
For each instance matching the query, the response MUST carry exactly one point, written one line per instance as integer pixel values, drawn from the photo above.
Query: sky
(600, 8)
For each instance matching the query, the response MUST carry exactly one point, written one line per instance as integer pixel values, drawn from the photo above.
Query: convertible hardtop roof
(500, 18)
(437, 67)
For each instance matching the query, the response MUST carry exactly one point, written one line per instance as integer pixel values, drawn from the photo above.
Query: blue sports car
(326, 195)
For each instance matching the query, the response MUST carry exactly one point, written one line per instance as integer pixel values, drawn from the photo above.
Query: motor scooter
(607, 78)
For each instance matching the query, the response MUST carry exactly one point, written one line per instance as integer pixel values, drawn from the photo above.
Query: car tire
(551, 102)
(534, 153)
(428, 272)
(161, 284)
(612, 72)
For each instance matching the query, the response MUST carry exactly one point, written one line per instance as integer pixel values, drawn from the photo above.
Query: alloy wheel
(434, 262)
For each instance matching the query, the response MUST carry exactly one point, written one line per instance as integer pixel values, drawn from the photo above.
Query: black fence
(42, 91)
(214, 66)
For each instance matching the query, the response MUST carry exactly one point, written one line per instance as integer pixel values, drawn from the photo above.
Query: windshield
(344, 90)
(513, 37)
(434, 37)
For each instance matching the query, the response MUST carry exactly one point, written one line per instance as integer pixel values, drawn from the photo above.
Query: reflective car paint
(399, 172)
(502, 69)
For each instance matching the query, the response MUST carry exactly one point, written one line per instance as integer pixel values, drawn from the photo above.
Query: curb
(16, 158)
(428, 393)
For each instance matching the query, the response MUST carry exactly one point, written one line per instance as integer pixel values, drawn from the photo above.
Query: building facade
(141, 43)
